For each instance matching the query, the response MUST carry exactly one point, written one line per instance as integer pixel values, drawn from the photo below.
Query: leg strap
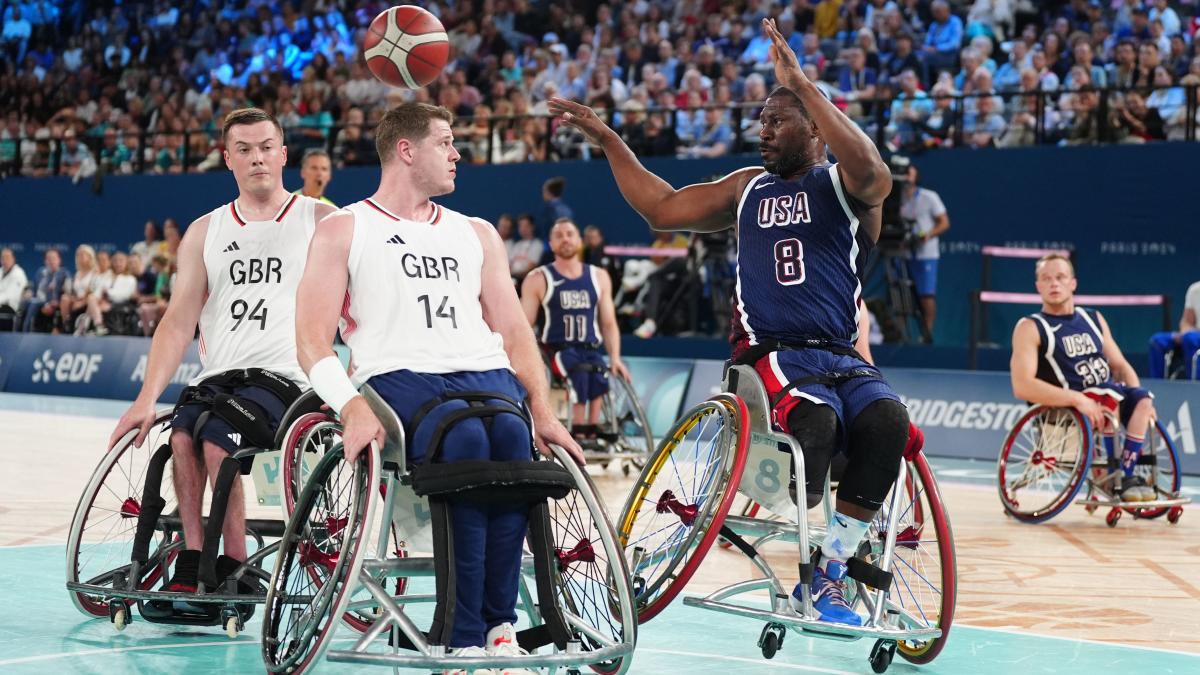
(230, 471)
(152, 504)
(443, 558)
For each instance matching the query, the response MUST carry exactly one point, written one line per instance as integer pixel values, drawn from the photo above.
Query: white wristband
(331, 383)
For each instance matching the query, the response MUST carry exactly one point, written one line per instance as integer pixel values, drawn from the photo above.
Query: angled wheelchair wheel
(622, 414)
(924, 572)
(1160, 467)
(106, 519)
(1044, 462)
(674, 513)
(592, 578)
(318, 556)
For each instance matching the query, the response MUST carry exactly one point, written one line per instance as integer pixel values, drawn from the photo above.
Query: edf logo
(69, 367)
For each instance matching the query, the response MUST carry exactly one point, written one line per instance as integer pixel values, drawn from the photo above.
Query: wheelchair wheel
(673, 515)
(593, 579)
(622, 413)
(106, 518)
(1044, 462)
(1162, 473)
(924, 575)
(319, 555)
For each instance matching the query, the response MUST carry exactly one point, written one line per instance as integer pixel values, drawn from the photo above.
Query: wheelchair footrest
(863, 571)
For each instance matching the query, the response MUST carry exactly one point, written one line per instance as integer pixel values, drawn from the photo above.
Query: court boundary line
(1009, 631)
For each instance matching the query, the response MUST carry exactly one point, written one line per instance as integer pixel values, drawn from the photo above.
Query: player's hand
(619, 369)
(359, 427)
(787, 68)
(140, 416)
(548, 430)
(1089, 408)
(581, 117)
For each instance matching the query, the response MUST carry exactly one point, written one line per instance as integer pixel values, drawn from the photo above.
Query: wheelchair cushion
(493, 482)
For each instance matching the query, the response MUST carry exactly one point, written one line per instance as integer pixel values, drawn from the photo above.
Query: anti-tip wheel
(231, 627)
(881, 655)
(771, 639)
(1112, 517)
(1174, 514)
(120, 619)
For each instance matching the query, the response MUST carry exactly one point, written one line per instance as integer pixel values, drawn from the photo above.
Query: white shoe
(502, 641)
(470, 651)
(647, 329)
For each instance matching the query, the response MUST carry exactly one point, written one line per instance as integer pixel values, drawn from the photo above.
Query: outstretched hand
(581, 117)
(787, 69)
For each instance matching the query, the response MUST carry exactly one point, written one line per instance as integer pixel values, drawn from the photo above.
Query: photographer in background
(925, 215)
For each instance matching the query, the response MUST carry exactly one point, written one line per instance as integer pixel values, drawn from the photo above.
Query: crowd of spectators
(117, 87)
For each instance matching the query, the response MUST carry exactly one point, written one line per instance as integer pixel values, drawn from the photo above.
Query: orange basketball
(406, 47)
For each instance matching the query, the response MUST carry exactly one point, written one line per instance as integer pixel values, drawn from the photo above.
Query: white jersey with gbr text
(413, 297)
(254, 269)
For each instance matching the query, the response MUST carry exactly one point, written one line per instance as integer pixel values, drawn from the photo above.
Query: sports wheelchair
(1052, 453)
(126, 532)
(357, 541)
(903, 576)
(623, 433)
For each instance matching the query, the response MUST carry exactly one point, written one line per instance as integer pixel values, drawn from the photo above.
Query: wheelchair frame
(387, 468)
(612, 450)
(888, 622)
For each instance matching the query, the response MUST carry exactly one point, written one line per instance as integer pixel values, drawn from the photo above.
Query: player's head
(788, 140)
(254, 149)
(564, 239)
(316, 171)
(1056, 280)
(415, 139)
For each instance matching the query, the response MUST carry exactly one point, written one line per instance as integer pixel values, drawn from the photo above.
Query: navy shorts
(1124, 396)
(406, 391)
(587, 382)
(219, 432)
(924, 275)
(847, 399)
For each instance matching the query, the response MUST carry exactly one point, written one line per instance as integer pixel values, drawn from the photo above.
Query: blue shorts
(924, 275)
(219, 432)
(1125, 397)
(588, 382)
(406, 392)
(847, 399)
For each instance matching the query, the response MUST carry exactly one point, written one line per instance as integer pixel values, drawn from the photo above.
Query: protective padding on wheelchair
(675, 511)
(106, 518)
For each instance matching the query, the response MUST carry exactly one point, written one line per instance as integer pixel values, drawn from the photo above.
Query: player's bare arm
(1119, 366)
(702, 207)
(609, 330)
(1026, 385)
(533, 290)
(503, 313)
(866, 177)
(174, 333)
(319, 301)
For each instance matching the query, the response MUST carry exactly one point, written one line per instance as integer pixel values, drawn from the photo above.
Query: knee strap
(230, 471)
(480, 405)
(444, 578)
(493, 482)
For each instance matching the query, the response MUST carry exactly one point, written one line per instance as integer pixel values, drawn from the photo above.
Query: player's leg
(597, 385)
(815, 428)
(924, 275)
(566, 362)
(1137, 410)
(233, 530)
(187, 473)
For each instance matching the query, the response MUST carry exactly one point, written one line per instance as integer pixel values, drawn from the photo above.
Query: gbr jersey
(254, 269)
(799, 262)
(413, 298)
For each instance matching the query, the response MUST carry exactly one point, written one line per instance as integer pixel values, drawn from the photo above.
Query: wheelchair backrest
(766, 476)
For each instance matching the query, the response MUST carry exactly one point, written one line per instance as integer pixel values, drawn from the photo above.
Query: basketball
(406, 47)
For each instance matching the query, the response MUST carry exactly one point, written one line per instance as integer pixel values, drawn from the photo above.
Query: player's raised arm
(864, 172)
(1026, 385)
(174, 333)
(703, 207)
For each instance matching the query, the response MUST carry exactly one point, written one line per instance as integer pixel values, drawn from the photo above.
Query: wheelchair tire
(682, 527)
(1043, 463)
(106, 518)
(622, 408)
(319, 555)
(1165, 474)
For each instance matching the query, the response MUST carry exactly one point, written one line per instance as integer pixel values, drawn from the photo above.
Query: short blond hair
(1051, 257)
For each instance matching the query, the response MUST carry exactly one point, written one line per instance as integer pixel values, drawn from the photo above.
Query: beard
(782, 164)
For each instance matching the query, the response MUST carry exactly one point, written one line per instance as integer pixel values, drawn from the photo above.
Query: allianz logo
(67, 367)
(185, 373)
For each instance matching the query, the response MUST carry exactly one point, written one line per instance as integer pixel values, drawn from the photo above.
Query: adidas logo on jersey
(235, 437)
(232, 247)
(395, 239)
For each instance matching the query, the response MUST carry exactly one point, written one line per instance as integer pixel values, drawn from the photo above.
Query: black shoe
(247, 584)
(183, 580)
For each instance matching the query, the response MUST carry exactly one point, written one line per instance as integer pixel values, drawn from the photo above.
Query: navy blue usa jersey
(1071, 350)
(569, 308)
(800, 261)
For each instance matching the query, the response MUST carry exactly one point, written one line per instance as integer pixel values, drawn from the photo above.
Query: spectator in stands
(1162, 13)
(1141, 122)
(857, 83)
(527, 252)
(171, 238)
(669, 272)
(354, 144)
(85, 282)
(316, 170)
(1082, 52)
(1023, 111)
(115, 294)
(553, 206)
(152, 307)
(1008, 76)
(12, 289)
(1170, 102)
(910, 109)
(506, 228)
(41, 311)
(715, 140)
(924, 210)
(1122, 72)
(943, 40)
(15, 37)
(903, 58)
(150, 244)
(77, 160)
(1088, 122)
(594, 254)
(1184, 343)
(1148, 61)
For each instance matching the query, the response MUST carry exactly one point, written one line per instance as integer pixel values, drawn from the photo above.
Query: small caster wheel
(1112, 517)
(1092, 505)
(881, 655)
(604, 466)
(626, 468)
(1174, 514)
(120, 619)
(232, 622)
(771, 639)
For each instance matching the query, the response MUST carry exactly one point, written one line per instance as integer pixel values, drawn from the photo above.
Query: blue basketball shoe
(829, 595)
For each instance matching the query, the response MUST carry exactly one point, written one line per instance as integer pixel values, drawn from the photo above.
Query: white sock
(845, 534)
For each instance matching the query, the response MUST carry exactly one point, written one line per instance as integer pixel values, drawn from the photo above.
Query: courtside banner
(660, 385)
(8, 353)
